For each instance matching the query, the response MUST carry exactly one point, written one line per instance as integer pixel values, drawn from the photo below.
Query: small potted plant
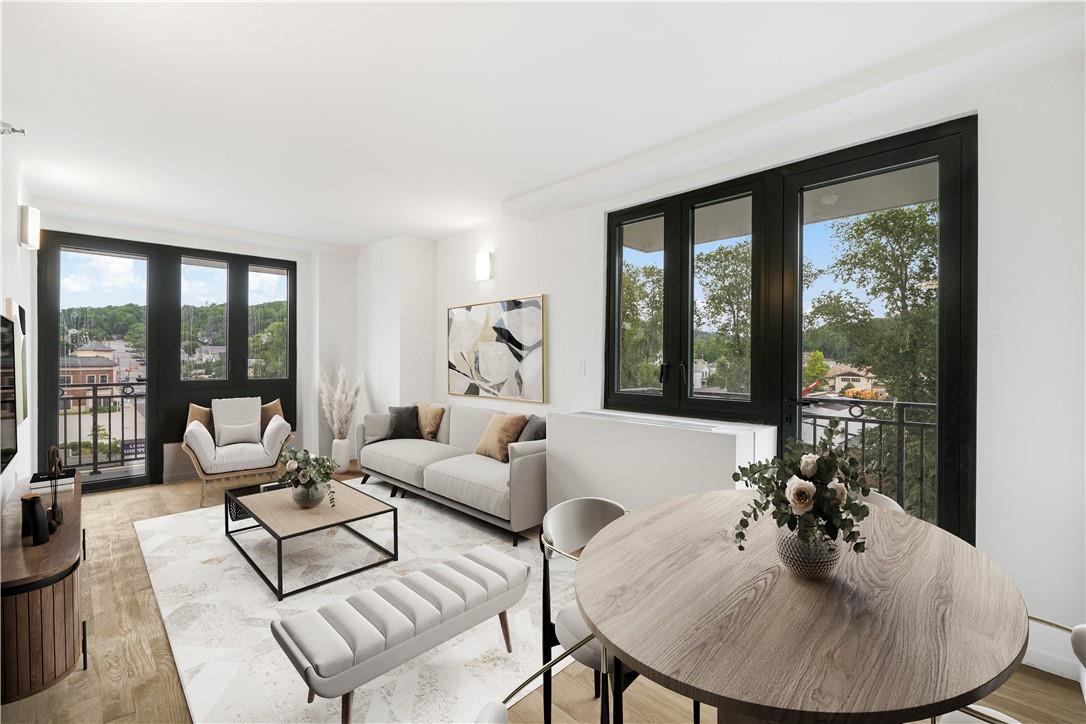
(308, 476)
(811, 496)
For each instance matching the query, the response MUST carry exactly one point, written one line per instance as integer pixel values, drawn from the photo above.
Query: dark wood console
(43, 636)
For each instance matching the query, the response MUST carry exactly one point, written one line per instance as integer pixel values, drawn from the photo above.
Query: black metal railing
(102, 424)
(896, 440)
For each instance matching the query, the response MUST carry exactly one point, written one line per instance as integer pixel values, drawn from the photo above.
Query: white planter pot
(342, 453)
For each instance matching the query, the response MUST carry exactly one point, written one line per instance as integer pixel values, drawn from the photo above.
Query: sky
(101, 280)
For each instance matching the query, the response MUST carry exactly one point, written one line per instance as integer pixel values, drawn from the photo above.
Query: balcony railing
(896, 440)
(102, 425)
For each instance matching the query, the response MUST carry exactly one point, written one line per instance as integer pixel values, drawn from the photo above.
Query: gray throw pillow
(404, 423)
(536, 429)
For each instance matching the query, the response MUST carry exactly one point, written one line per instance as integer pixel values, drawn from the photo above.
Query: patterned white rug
(217, 613)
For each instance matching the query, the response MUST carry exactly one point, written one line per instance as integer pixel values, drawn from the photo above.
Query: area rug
(217, 612)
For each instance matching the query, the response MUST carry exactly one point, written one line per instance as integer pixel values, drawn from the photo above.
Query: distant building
(209, 353)
(841, 376)
(95, 349)
(702, 372)
(83, 369)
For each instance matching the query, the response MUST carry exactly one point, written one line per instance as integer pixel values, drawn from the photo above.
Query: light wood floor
(132, 677)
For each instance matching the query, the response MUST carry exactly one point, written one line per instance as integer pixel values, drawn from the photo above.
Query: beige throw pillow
(499, 432)
(430, 420)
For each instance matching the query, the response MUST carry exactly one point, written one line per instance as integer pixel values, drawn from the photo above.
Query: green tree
(642, 331)
(136, 337)
(268, 352)
(726, 279)
(815, 368)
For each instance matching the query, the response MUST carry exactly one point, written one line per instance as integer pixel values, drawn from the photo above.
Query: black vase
(35, 521)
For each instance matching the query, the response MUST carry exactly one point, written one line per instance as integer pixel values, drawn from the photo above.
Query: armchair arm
(527, 483)
(199, 440)
(372, 428)
(275, 436)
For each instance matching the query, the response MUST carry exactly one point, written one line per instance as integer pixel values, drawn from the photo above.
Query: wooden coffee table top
(920, 624)
(281, 516)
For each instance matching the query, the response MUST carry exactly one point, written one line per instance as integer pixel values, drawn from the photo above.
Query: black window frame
(775, 343)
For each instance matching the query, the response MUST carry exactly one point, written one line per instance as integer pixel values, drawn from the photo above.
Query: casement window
(732, 302)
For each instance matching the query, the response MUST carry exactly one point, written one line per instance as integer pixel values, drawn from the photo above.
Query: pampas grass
(339, 402)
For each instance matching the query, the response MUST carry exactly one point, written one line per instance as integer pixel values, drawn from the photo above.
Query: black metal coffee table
(276, 512)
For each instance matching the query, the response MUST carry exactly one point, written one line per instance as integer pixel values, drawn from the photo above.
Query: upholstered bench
(341, 646)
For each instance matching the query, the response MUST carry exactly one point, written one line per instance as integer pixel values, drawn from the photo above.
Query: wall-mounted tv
(9, 438)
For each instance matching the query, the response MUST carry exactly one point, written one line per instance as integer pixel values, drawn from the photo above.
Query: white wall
(1030, 482)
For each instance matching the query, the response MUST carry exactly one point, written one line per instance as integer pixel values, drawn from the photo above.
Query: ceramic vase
(309, 496)
(341, 453)
(814, 559)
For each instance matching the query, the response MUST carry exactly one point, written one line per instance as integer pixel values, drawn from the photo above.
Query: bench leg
(348, 700)
(312, 696)
(503, 618)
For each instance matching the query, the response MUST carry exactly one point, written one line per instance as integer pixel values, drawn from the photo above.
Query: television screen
(9, 443)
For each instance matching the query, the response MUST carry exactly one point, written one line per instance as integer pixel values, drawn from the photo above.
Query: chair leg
(503, 618)
(312, 696)
(697, 712)
(617, 685)
(605, 713)
(203, 492)
(595, 684)
(348, 701)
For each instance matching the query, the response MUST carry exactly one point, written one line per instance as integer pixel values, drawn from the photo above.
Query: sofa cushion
(466, 425)
(499, 432)
(405, 459)
(240, 456)
(474, 480)
(404, 423)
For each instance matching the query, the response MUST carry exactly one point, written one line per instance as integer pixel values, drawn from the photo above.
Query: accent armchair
(236, 441)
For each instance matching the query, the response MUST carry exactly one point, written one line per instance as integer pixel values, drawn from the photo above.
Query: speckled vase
(814, 559)
(309, 496)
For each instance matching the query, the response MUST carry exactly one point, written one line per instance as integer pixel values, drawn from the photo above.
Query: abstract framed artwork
(498, 349)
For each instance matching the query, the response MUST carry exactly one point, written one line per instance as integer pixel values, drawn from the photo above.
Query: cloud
(265, 287)
(103, 273)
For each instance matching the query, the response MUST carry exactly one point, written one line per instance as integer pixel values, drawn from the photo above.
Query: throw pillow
(536, 429)
(499, 432)
(234, 411)
(230, 434)
(403, 423)
(430, 420)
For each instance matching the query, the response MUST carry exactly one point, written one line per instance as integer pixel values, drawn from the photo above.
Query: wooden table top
(920, 624)
(23, 563)
(277, 511)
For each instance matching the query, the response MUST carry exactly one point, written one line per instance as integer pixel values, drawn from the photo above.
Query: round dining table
(920, 624)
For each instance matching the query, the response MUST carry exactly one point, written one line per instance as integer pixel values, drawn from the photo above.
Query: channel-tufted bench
(341, 646)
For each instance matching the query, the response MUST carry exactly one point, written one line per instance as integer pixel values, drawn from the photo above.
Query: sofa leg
(392, 493)
(348, 701)
(312, 696)
(516, 539)
(365, 477)
(503, 619)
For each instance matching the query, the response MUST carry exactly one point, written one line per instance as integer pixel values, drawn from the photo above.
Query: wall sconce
(29, 227)
(482, 266)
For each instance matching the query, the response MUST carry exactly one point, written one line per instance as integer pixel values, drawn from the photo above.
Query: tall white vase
(341, 453)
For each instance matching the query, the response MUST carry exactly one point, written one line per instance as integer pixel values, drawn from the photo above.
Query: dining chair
(879, 500)
(567, 528)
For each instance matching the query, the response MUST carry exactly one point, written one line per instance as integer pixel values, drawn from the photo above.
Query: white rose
(840, 490)
(304, 476)
(808, 464)
(800, 494)
(292, 465)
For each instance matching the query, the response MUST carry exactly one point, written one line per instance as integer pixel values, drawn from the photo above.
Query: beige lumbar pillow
(499, 432)
(430, 420)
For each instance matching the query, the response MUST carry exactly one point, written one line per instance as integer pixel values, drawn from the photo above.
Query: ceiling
(350, 123)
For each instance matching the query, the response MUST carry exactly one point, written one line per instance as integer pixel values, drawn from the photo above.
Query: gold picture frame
(498, 349)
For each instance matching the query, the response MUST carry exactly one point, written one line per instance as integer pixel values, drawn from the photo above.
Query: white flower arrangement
(338, 402)
(810, 493)
(303, 469)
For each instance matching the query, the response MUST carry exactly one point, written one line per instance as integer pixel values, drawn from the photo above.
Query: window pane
(268, 323)
(204, 315)
(870, 324)
(641, 301)
(723, 277)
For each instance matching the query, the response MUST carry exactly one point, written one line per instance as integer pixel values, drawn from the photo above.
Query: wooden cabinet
(43, 636)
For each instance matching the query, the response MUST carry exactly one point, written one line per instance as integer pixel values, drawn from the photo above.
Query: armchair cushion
(234, 411)
(230, 434)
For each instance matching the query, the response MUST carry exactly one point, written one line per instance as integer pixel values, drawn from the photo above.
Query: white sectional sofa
(509, 495)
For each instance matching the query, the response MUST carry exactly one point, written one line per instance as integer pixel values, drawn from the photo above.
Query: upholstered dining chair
(497, 712)
(879, 500)
(567, 528)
